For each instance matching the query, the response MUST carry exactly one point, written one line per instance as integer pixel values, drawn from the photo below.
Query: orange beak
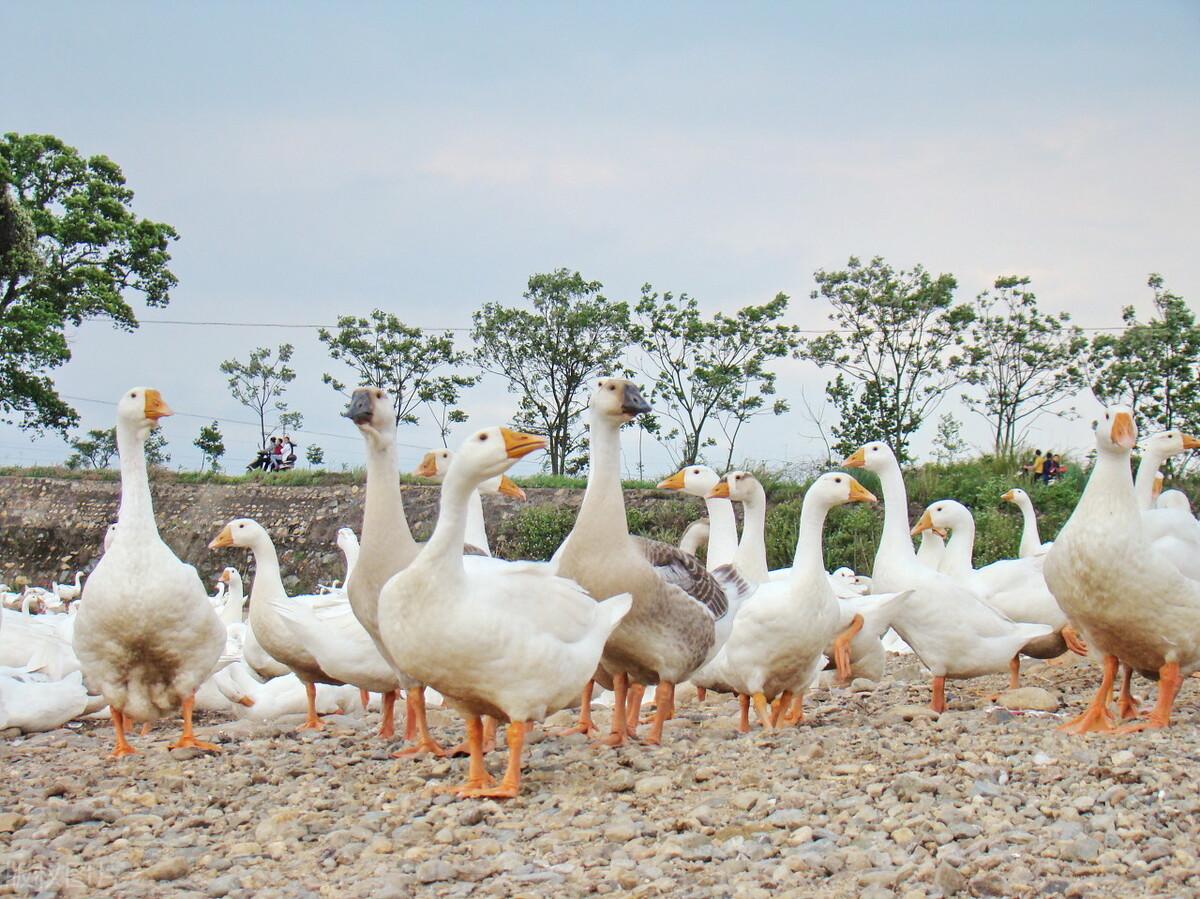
(1123, 433)
(508, 487)
(674, 482)
(1190, 442)
(518, 444)
(858, 459)
(925, 524)
(1008, 497)
(155, 407)
(225, 538)
(224, 578)
(428, 466)
(859, 493)
(721, 491)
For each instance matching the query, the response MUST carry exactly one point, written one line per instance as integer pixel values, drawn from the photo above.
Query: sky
(321, 159)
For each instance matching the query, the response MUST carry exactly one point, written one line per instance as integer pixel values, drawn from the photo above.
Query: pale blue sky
(322, 158)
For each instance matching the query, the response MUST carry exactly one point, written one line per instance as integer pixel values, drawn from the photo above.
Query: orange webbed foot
(193, 743)
(501, 790)
(431, 746)
(121, 751)
(471, 783)
(612, 740)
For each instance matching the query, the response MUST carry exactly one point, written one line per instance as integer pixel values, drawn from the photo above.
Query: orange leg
(410, 716)
(1014, 673)
(939, 694)
(617, 735)
(633, 708)
(841, 649)
(145, 728)
(744, 718)
(794, 715)
(585, 725)
(477, 774)
(701, 693)
(364, 697)
(489, 734)
(387, 724)
(1097, 716)
(1169, 682)
(1127, 707)
(425, 742)
(188, 739)
(313, 721)
(763, 709)
(1074, 642)
(119, 723)
(783, 705)
(510, 786)
(664, 708)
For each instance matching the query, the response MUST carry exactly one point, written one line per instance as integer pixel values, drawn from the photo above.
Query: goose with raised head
(695, 536)
(1156, 450)
(69, 592)
(1175, 534)
(505, 639)
(347, 542)
(1020, 591)
(435, 464)
(260, 661)
(146, 635)
(699, 480)
(779, 637)
(950, 628)
(671, 629)
(1031, 540)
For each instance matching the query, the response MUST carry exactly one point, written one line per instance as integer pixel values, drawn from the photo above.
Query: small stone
(704, 774)
(434, 870)
(620, 832)
(989, 885)
(1083, 803)
(948, 879)
(1082, 849)
(788, 817)
(10, 822)
(903, 836)
(168, 869)
(659, 783)
(621, 781)
(1123, 758)
(862, 685)
(1033, 698)
(1000, 716)
(912, 713)
(222, 886)
(909, 786)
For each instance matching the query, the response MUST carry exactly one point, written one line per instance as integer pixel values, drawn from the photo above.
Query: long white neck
(136, 512)
(1031, 540)
(895, 537)
(235, 601)
(1109, 494)
(386, 537)
(350, 551)
(722, 532)
(932, 550)
(476, 529)
(808, 566)
(445, 547)
(751, 556)
(958, 560)
(1147, 473)
(602, 511)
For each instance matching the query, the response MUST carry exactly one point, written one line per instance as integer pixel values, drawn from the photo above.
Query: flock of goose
(512, 642)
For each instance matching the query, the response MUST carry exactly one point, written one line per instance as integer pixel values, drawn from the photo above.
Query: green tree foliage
(892, 343)
(949, 446)
(709, 373)
(211, 445)
(96, 450)
(1153, 366)
(260, 383)
(156, 449)
(71, 250)
(1024, 361)
(315, 455)
(550, 353)
(417, 369)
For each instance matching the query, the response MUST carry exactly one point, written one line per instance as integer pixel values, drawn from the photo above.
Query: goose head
(836, 489)
(240, 532)
(372, 412)
(1174, 499)
(346, 538)
(434, 464)
(942, 516)
(875, 456)
(741, 487)
(1016, 496)
(140, 409)
(618, 400)
(227, 576)
(696, 480)
(1116, 431)
(1166, 444)
(490, 452)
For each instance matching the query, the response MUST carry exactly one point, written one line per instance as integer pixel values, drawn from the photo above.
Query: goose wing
(686, 572)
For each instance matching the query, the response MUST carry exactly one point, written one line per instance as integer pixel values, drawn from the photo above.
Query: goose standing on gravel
(671, 629)
(505, 639)
(68, 592)
(146, 635)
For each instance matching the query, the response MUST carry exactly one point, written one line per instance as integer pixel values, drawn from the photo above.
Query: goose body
(146, 635)
(33, 703)
(69, 592)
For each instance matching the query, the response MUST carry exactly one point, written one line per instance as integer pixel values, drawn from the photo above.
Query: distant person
(276, 453)
(1047, 467)
(1036, 467)
(289, 451)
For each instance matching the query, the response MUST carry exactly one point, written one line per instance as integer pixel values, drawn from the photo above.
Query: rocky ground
(858, 801)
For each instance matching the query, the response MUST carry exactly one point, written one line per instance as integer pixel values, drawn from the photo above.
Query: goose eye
(612, 386)
(837, 480)
(482, 437)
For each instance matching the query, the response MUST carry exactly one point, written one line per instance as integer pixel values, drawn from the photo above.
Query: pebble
(167, 869)
(1033, 698)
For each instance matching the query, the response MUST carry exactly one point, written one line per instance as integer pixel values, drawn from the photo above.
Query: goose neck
(385, 529)
(1031, 540)
(450, 532)
(960, 549)
(137, 508)
(602, 511)
(810, 554)
(895, 537)
(722, 531)
(751, 556)
(1147, 473)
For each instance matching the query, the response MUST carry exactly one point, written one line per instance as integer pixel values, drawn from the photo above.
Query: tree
(96, 450)
(211, 445)
(710, 372)
(949, 445)
(1152, 366)
(315, 455)
(156, 449)
(71, 250)
(414, 367)
(260, 383)
(1023, 359)
(548, 354)
(891, 344)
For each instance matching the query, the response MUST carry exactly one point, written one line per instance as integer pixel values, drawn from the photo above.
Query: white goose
(1031, 541)
(472, 632)
(146, 635)
(1131, 605)
(435, 464)
(670, 632)
(1156, 450)
(1174, 499)
(34, 703)
(1174, 533)
(347, 542)
(69, 592)
(699, 480)
(695, 535)
(260, 661)
(932, 549)
(951, 629)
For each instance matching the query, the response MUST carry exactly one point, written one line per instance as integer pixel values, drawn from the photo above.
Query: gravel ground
(856, 802)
